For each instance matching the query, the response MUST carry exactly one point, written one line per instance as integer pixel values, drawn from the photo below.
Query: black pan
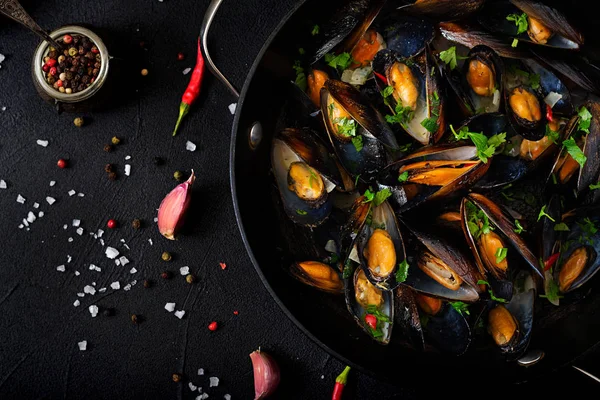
(323, 317)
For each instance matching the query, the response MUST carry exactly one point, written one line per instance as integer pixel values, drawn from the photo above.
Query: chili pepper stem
(343, 377)
(340, 382)
(183, 110)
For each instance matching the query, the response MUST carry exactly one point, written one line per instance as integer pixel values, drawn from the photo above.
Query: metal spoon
(14, 10)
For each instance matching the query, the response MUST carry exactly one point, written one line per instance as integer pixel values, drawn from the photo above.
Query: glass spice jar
(86, 100)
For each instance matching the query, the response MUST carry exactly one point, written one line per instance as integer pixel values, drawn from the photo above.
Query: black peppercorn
(136, 223)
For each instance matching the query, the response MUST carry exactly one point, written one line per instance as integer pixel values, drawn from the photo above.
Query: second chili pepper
(340, 383)
(193, 89)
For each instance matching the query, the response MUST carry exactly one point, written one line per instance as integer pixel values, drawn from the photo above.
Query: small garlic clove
(266, 374)
(171, 212)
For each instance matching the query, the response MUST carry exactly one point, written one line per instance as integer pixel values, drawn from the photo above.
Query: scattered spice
(62, 163)
(190, 278)
(166, 275)
(179, 176)
(176, 377)
(111, 224)
(180, 56)
(236, 312)
(135, 319)
(223, 265)
(115, 140)
(193, 89)
(112, 176)
(166, 256)
(147, 283)
(136, 224)
(144, 72)
(78, 122)
(108, 148)
(108, 168)
(213, 326)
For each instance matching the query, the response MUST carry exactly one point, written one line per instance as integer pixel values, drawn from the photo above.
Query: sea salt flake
(115, 285)
(60, 268)
(126, 246)
(2, 58)
(93, 310)
(170, 307)
(52, 183)
(76, 222)
(76, 303)
(102, 242)
(227, 397)
(200, 371)
(65, 226)
(203, 396)
(127, 157)
(192, 386)
(118, 262)
(79, 231)
(3, 184)
(20, 199)
(82, 345)
(69, 258)
(50, 200)
(179, 314)
(184, 270)
(3, 107)
(127, 169)
(102, 290)
(92, 267)
(123, 260)
(232, 107)
(190, 146)
(155, 219)
(77, 273)
(127, 287)
(186, 71)
(41, 214)
(214, 381)
(133, 282)
(132, 270)
(150, 241)
(79, 294)
(100, 233)
(70, 239)
(36, 205)
(89, 289)
(111, 252)
(43, 143)
(80, 194)
(21, 226)
(31, 217)
(71, 192)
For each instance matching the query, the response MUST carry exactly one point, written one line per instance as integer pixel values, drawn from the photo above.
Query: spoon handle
(14, 10)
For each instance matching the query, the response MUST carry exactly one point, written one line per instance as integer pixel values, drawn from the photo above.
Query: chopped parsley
(498, 299)
(340, 62)
(449, 57)
(345, 126)
(356, 180)
(486, 147)
(562, 227)
(477, 221)
(402, 272)
(381, 318)
(403, 177)
(381, 196)
(514, 43)
(369, 196)
(534, 81)
(585, 118)
(575, 151)
(553, 136)
(595, 186)
(462, 308)
(588, 228)
(552, 290)
(300, 76)
(402, 115)
(347, 269)
(501, 254)
(357, 141)
(520, 21)
(301, 212)
(430, 124)
(405, 147)
(387, 92)
(315, 30)
(544, 214)
(519, 228)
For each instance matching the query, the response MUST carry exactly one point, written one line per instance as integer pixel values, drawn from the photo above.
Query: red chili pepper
(193, 89)
(383, 78)
(371, 320)
(549, 116)
(340, 383)
(550, 261)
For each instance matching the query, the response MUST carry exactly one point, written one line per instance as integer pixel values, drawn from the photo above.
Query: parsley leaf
(301, 51)
(405, 147)
(514, 43)
(544, 214)
(381, 196)
(561, 227)
(552, 290)
(369, 196)
(387, 92)
(589, 229)
(402, 115)
(340, 62)
(449, 57)
(585, 118)
(477, 221)
(519, 228)
(403, 177)
(534, 81)
(460, 307)
(501, 254)
(357, 141)
(498, 299)
(301, 212)
(520, 21)
(345, 126)
(575, 151)
(402, 272)
(486, 147)
(300, 76)
(315, 30)
(430, 124)
(347, 269)
(595, 186)
(553, 136)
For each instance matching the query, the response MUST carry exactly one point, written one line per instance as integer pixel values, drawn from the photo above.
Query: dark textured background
(39, 326)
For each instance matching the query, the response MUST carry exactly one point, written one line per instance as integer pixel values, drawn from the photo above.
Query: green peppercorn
(73, 51)
(136, 223)
(178, 175)
(115, 140)
(166, 256)
(108, 148)
(78, 122)
(190, 278)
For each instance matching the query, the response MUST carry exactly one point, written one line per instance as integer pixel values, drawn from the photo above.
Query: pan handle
(208, 18)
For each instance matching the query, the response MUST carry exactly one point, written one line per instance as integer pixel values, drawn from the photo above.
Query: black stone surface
(40, 327)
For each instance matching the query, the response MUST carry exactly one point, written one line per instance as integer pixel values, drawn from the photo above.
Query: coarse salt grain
(190, 146)
(76, 222)
(76, 303)
(70, 239)
(102, 242)
(2, 57)
(186, 71)
(192, 386)
(155, 219)
(111, 252)
(117, 262)
(227, 397)
(232, 107)
(77, 273)
(80, 194)
(42, 143)
(132, 270)
(102, 290)
(127, 287)
(52, 183)
(93, 310)
(203, 396)
(200, 371)
(179, 314)
(115, 285)
(214, 381)
(150, 241)
(127, 169)
(100, 233)
(170, 307)
(65, 226)
(79, 231)
(36, 205)
(123, 260)
(69, 258)
(127, 247)
(92, 267)
(79, 294)
(31, 217)
(41, 214)
(184, 270)
(25, 222)
(60, 268)
(71, 192)
(89, 289)
(3, 184)
(82, 345)
(50, 200)
(21, 226)
(20, 199)
(127, 157)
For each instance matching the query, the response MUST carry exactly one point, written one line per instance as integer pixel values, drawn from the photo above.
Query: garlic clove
(171, 212)
(266, 374)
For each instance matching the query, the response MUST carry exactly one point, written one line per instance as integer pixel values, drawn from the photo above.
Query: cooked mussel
(305, 174)
(404, 34)
(413, 94)
(319, 275)
(448, 330)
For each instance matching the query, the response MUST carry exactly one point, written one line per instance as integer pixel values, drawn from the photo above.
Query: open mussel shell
(415, 85)
(318, 275)
(448, 330)
(406, 316)
(499, 219)
(380, 247)
(550, 83)
(363, 151)
(434, 172)
(404, 34)
(443, 10)
(573, 68)
(471, 35)
(549, 27)
(579, 260)
(363, 298)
